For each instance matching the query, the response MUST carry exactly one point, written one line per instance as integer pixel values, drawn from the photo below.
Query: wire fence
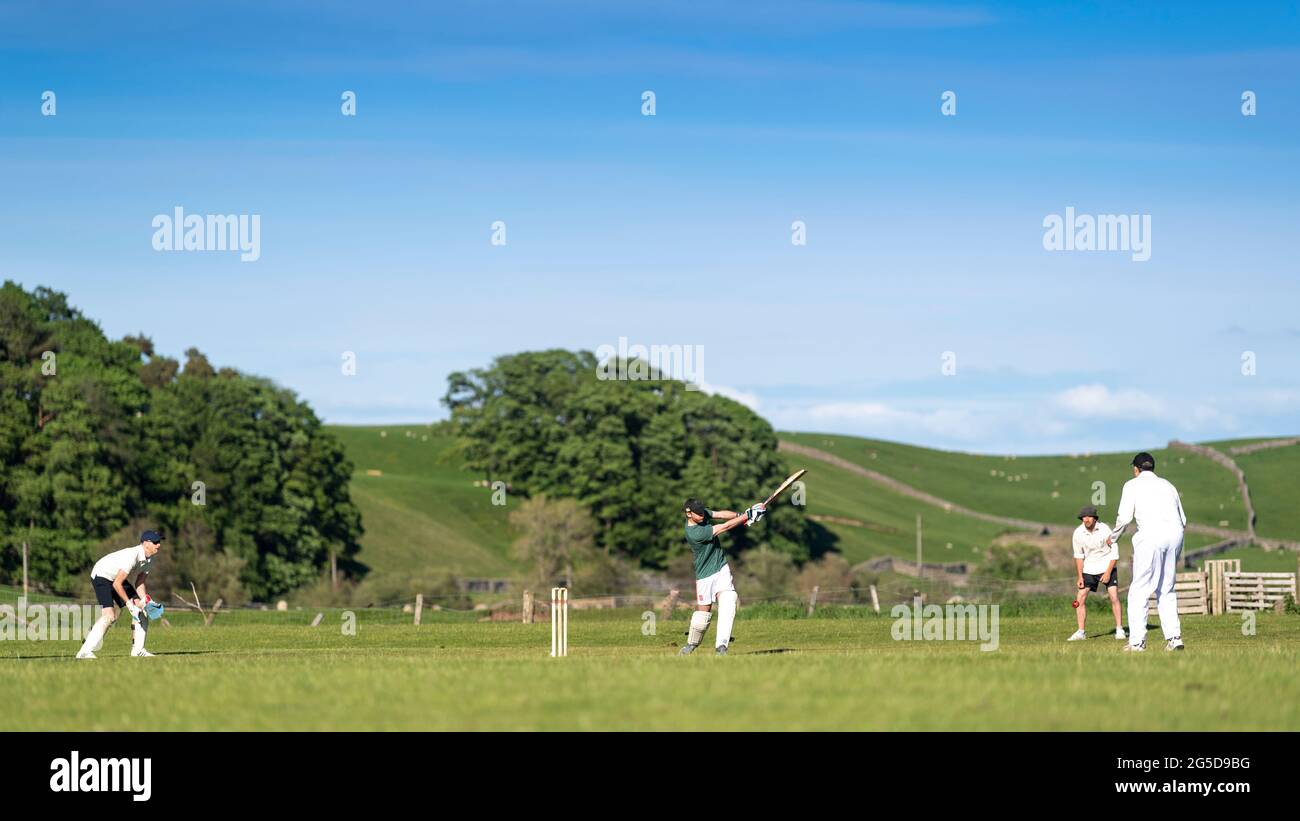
(888, 589)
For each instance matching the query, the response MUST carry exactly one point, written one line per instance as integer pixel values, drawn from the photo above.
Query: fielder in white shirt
(1155, 504)
(119, 579)
(1095, 559)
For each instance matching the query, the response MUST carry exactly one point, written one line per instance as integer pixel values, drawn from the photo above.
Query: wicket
(559, 621)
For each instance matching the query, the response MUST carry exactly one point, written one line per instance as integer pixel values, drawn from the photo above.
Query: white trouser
(1155, 564)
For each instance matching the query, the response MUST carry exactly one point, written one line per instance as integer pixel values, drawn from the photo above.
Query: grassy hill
(422, 511)
(884, 523)
(1273, 476)
(1039, 488)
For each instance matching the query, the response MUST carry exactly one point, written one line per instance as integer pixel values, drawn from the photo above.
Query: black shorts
(107, 596)
(1091, 580)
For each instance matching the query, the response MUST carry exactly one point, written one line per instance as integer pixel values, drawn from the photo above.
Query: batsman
(712, 574)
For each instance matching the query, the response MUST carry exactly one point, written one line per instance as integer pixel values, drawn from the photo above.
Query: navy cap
(697, 507)
(1088, 510)
(1144, 461)
(151, 536)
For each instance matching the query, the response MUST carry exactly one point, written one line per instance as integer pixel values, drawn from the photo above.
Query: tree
(554, 535)
(766, 574)
(1015, 562)
(630, 451)
(97, 443)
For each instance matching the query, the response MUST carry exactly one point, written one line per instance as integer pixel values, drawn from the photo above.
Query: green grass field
(272, 671)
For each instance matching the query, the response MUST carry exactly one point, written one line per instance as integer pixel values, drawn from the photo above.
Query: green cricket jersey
(707, 551)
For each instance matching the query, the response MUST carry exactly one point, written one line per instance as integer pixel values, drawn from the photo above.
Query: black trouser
(107, 596)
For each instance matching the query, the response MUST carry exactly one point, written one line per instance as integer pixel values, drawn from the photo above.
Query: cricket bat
(794, 477)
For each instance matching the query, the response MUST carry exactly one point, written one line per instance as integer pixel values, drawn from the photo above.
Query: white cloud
(878, 419)
(749, 400)
(1100, 402)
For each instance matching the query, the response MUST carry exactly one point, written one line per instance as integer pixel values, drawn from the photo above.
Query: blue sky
(924, 231)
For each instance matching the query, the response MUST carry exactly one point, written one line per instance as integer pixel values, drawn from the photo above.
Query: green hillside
(885, 521)
(423, 511)
(1259, 560)
(1273, 476)
(1038, 488)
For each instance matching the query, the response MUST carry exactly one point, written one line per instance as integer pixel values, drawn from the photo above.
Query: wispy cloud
(1100, 402)
(746, 398)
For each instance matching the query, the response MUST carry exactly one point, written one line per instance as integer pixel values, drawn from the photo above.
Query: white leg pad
(727, 602)
(95, 638)
(138, 631)
(699, 625)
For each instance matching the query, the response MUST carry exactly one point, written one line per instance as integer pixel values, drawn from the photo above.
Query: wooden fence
(1257, 591)
(1190, 588)
(1215, 589)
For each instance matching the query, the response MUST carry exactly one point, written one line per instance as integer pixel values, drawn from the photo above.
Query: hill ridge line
(1242, 450)
(1224, 460)
(952, 507)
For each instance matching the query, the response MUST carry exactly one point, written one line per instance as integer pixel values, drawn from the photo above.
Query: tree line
(101, 438)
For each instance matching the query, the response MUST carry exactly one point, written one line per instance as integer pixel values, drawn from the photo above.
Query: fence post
(212, 614)
(812, 600)
(528, 607)
(920, 571)
(419, 607)
(670, 606)
(24, 571)
(875, 600)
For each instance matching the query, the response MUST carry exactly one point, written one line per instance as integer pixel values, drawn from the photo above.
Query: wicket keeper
(1095, 560)
(112, 577)
(712, 573)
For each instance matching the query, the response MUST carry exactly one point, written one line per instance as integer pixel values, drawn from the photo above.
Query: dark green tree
(631, 451)
(96, 442)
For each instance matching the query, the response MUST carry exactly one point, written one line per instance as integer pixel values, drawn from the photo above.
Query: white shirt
(1153, 502)
(1092, 548)
(130, 559)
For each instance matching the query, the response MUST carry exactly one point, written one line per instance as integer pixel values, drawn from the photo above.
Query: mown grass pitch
(271, 671)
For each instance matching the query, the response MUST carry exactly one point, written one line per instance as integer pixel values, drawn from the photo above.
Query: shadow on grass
(73, 656)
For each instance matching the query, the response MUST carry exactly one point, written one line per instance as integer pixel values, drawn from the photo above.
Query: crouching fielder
(112, 577)
(712, 574)
(1095, 559)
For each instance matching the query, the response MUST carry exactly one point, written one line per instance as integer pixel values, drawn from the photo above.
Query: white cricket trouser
(1155, 564)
